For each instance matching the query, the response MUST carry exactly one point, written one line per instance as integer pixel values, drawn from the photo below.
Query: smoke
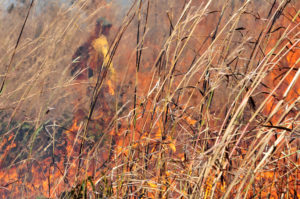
(6, 4)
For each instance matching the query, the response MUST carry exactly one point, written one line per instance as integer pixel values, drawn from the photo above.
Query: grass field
(189, 99)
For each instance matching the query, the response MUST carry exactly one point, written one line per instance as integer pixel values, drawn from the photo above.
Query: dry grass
(205, 102)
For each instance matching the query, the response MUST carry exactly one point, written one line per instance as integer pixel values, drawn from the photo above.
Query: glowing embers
(46, 167)
(279, 177)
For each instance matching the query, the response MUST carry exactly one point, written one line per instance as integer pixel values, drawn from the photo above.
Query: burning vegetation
(173, 99)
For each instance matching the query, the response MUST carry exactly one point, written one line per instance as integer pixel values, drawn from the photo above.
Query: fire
(156, 147)
(290, 89)
(277, 109)
(44, 177)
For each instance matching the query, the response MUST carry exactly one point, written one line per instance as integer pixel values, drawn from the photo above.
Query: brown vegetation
(193, 99)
